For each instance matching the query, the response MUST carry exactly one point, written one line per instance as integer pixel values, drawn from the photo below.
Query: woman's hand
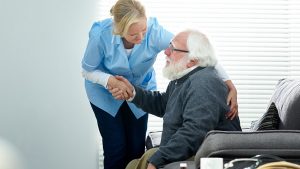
(118, 88)
(232, 100)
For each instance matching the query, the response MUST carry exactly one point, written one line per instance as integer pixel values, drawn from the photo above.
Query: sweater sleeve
(152, 102)
(198, 119)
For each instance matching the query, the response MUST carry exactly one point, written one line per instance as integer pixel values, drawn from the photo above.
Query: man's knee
(142, 162)
(132, 164)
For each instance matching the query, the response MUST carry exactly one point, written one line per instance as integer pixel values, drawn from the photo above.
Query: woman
(126, 45)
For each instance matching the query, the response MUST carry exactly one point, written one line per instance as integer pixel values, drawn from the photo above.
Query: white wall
(44, 111)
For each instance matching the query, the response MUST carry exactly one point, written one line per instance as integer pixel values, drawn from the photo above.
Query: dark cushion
(269, 121)
(287, 100)
(237, 144)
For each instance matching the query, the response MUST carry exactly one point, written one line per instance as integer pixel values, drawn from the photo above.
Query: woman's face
(136, 31)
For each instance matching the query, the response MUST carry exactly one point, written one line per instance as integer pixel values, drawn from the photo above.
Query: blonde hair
(125, 13)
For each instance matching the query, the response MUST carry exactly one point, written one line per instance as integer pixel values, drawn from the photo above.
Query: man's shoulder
(204, 75)
(205, 78)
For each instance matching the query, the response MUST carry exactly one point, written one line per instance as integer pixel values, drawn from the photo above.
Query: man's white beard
(174, 71)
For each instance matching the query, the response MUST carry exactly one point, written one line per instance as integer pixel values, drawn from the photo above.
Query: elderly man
(193, 104)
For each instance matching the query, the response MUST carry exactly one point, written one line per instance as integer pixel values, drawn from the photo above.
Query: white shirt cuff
(96, 76)
(131, 98)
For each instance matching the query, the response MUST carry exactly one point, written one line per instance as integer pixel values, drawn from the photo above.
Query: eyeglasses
(172, 49)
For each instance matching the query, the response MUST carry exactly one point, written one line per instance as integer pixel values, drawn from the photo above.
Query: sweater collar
(183, 78)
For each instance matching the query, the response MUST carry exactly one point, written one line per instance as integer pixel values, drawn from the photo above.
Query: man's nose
(167, 52)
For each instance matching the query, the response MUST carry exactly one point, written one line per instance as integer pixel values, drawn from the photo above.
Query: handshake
(120, 87)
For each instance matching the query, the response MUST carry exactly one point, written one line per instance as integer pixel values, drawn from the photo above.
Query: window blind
(257, 42)
(294, 22)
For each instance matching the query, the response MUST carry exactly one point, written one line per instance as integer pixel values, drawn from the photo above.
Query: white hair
(176, 70)
(200, 49)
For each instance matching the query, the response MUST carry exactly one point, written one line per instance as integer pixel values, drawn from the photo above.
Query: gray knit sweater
(191, 106)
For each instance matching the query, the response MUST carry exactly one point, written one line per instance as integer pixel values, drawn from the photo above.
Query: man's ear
(192, 63)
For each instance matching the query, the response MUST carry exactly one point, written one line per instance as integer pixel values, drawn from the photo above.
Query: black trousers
(123, 136)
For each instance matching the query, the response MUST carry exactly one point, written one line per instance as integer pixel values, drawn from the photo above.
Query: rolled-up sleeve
(92, 55)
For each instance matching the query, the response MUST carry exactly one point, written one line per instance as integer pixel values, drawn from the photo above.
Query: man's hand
(232, 100)
(151, 166)
(128, 84)
(118, 88)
